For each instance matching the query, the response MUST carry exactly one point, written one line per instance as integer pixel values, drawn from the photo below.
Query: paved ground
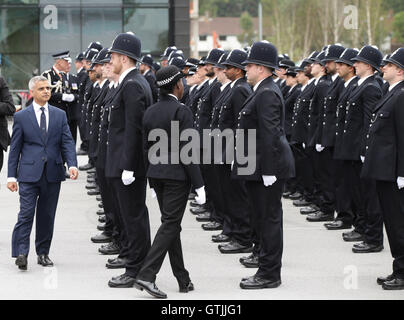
(317, 264)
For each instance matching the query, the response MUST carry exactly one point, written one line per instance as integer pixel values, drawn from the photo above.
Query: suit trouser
(344, 205)
(135, 218)
(237, 208)
(312, 175)
(369, 218)
(1, 159)
(73, 129)
(326, 174)
(267, 220)
(42, 197)
(297, 184)
(83, 134)
(304, 171)
(392, 203)
(172, 197)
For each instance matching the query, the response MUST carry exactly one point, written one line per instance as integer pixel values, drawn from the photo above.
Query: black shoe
(320, 216)
(100, 205)
(212, 226)
(94, 192)
(364, 247)
(220, 238)
(301, 203)
(286, 194)
(191, 196)
(101, 227)
(394, 284)
(242, 259)
(194, 204)
(234, 247)
(90, 180)
(186, 288)
(251, 262)
(295, 196)
(81, 152)
(110, 248)
(44, 260)
(102, 219)
(381, 280)
(22, 262)
(150, 288)
(310, 209)
(91, 186)
(337, 225)
(101, 238)
(86, 167)
(203, 217)
(198, 210)
(122, 281)
(98, 198)
(92, 170)
(90, 176)
(352, 236)
(117, 263)
(259, 283)
(100, 212)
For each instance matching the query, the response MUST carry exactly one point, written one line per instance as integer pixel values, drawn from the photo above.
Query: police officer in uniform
(264, 112)
(146, 69)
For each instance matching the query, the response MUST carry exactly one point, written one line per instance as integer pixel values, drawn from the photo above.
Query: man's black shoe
(352, 236)
(44, 261)
(186, 288)
(364, 247)
(86, 167)
(203, 217)
(198, 210)
(301, 203)
(101, 227)
(92, 170)
(81, 152)
(212, 226)
(94, 192)
(100, 212)
(286, 194)
(394, 284)
(337, 225)
(116, 263)
(220, 238)
(110, 248)
(22, 262)
(98, 198)
(310, 209)
(251, 262)
(381, 280)
(295, 196)
(150, 288)
(234, 247)
(100, 205)
(90, 180)
(242, 259)
(122, 281)
(101, 238)
(91, 186)
(320, 216)
(259, 283)
(194, 204)
(102, 219)
(191, 196)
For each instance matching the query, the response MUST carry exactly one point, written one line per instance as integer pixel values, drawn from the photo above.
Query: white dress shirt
(393, 85)
(124, 74)
(346, 84)
(362, 80)
(38, 113)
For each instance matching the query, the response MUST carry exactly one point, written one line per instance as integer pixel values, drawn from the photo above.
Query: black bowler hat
(302, 66)
(291, 72)
(90, 54)
(202, 61)
(167, 52)
(222, 59)
(176, 54)
(263, 53)
(148, 60)
(156, 66)
(61, 55)
(95, 45)
(311, 57)
(80, 56)
(214, 56)
(397, 58)
(127, 44)
(191, 62)
(178, 62)
(107, 57)
(320, 59)
(191, 71)
(100, 56)
(370, 55)
(168, 76)
(333, 52)
(347, 56)
(384, 62)
(247, 49)
(235, 59)
(286, 63)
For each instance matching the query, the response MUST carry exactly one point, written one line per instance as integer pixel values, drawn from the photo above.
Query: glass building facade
(32, 30)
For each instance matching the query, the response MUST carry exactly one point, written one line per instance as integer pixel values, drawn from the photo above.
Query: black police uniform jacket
(290, 100)
(82, 78)
(7, 108)
(359, 109)
(151, 80)
(125, 143)
(384, 157)
(58, 86)
(264, 111)
(72, 87)
(196, 96)
(160, 116)
(327, 119)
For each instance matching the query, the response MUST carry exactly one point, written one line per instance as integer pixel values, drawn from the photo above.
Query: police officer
(166, 54)
(264, 112)
(73, 109)
(146, 69)
(384, 162)
(124, 162)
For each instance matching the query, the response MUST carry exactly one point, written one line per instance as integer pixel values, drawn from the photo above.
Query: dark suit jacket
(7, 108)
(264, 112)
(384, 157)
(160, 116)
(360, 106)
(151, 79)
(29, 151)
(125, 142)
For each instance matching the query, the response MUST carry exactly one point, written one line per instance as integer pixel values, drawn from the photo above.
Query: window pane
(145, 1)
(150, 25)
(18, 69)
(19, 2)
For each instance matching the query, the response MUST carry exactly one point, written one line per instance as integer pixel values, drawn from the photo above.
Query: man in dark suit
(264, 113)
(171, 181)
(7, 108)
(384, 162)
(125, 162)
(41, 139)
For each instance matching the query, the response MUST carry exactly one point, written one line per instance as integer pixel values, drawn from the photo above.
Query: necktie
(43, 123)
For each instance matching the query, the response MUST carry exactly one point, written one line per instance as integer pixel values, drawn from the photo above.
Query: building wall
(230, 43)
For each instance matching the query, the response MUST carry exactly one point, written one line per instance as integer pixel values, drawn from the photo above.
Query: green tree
(246, 24)
(398, 27)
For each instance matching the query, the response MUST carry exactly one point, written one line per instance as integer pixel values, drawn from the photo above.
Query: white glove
(127, 177)
(69, 97)
(153, 193)
(304, 146)
(400, 182)
(319, 147)
(232, 164)
(201, 195)
(363, 159)
(269, 180)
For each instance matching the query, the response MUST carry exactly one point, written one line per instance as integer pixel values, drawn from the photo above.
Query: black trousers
(82, 131)
(267, 220)
(1, 159)
(369, 217)
(392, 203)
(135, 219)
(73, 129)
(326, 174)
(296, 184)
(237, 208)
(344, 205)
(172, 197)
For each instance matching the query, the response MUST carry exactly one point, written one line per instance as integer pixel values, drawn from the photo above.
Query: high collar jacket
(290, 100)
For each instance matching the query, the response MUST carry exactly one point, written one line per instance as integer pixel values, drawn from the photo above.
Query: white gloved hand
(69, 97)
(201, 195)
(127, 177)
(400, 182)
(269, 180)
(319, 147)
(153, 193)
(362, 159)
(304, 146)
(232, 164)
